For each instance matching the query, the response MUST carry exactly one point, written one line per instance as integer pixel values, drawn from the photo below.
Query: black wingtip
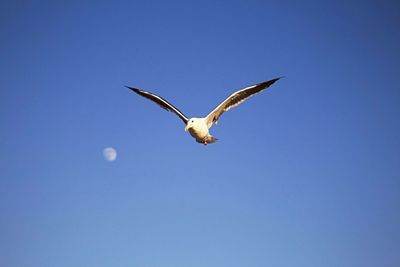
(133, 89)
(270, 82)
(276, 79)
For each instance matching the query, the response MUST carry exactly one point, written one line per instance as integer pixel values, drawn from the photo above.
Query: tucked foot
(207, 140)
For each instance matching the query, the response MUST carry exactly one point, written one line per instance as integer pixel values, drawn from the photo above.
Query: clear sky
(305, 174)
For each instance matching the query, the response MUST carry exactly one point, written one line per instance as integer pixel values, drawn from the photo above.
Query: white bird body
(198, 127)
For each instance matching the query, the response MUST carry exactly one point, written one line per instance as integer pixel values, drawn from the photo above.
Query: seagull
(198, 127)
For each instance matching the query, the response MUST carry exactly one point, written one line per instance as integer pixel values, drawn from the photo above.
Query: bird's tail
(209, 139)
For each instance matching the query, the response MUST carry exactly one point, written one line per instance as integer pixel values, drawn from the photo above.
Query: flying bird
(198, 127)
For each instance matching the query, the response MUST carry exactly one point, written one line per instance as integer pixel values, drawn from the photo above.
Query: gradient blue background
(305, 174)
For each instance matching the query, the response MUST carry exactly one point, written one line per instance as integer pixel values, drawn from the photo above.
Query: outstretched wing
(235, 99)
(161, 102)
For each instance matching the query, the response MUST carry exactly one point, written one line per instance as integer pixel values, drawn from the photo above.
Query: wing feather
(161, 102)
(237, 98)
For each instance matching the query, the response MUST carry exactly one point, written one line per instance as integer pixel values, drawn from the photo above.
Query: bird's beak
(186, 127)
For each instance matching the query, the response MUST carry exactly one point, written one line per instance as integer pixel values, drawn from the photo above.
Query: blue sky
(305, 174)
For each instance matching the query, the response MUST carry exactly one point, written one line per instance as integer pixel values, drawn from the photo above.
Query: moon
(110, 154)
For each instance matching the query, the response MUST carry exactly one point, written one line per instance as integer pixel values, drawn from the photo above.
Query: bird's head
(191, 123)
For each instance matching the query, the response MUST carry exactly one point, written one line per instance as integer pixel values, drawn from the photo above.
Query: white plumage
(198, 127)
